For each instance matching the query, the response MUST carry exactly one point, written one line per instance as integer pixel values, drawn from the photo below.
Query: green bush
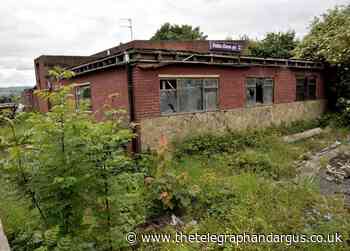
(208, 144)
(169, 193)
(297, 126)
(250, 161)
(344, 116)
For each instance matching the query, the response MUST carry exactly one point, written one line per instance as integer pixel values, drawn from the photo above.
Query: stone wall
(151, 129)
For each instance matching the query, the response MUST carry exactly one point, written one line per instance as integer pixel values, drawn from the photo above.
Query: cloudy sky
(30, 28)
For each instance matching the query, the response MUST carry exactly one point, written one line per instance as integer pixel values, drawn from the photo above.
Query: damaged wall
(181, 125)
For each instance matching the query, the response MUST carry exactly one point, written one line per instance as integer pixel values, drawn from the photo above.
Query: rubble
(339, 168)
(334, 177)
(330, 148)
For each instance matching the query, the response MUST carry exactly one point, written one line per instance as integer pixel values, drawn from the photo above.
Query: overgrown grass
(229, 183)
(246, 182)
(247, 203)
(17, 217)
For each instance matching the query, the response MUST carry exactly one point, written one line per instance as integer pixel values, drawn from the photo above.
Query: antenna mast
(128, 25)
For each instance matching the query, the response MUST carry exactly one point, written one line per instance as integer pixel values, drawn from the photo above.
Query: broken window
(188, 95)
(83, 97)
(168, 96)
(259, 91)
(305, 88)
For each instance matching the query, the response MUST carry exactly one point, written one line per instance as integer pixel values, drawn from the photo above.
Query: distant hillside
(12, 91)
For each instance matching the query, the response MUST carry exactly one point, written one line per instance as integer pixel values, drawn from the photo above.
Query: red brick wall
(231, 85)
(103, 84)
(42, 65)
(40, 73)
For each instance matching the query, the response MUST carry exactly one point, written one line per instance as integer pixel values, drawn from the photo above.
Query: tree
(274, 45)
(329, 38)
(68, 165)
(329, 41)
(178, 32)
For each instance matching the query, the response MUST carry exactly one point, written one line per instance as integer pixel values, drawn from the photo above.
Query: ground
(319, 167)
(254, 182)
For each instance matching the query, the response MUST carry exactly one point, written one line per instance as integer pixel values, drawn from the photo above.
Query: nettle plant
(67, 164)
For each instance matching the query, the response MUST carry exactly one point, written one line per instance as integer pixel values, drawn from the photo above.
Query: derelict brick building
(179, 87)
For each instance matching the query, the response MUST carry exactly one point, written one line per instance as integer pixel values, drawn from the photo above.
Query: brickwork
(107, 88)
(232, 92)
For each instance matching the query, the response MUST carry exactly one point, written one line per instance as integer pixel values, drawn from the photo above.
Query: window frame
(179, 78)
(306, 87)
(256, 79)
(76, 97)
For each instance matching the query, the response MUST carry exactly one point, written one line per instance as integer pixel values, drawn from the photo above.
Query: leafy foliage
(275, 45)
(167, 191)
(329, 37)
(178, 32)
(67, 165)
(207, 144)
(344, 114)
(328, 41)
(298, 126)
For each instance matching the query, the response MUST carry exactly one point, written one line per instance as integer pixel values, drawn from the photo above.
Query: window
(259, 91)
(83, 97)
(188, 95)
(305, 88)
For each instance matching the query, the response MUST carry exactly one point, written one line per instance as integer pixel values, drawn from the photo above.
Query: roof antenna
(127, 23)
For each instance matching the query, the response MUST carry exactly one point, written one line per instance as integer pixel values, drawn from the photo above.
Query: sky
(30, 28)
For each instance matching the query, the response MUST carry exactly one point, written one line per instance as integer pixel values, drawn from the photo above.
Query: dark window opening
(259, 91)
(188, 95)
(305, 88)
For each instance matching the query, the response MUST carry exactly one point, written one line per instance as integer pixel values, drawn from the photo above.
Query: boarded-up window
(188, 95)
(305, 88)
(259, 91)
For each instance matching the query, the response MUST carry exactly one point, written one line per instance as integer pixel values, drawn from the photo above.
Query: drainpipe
(131, 97)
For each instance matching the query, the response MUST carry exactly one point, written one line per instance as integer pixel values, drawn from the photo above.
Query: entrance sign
(228, 46)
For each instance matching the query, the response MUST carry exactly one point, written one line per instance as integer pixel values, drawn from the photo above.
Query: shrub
(344, 107)
(66, 165)
(229, 142)
(297, 126)
(250, 161)
(169, 193)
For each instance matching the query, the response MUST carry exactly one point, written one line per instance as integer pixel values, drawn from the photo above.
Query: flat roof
(155, 54)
